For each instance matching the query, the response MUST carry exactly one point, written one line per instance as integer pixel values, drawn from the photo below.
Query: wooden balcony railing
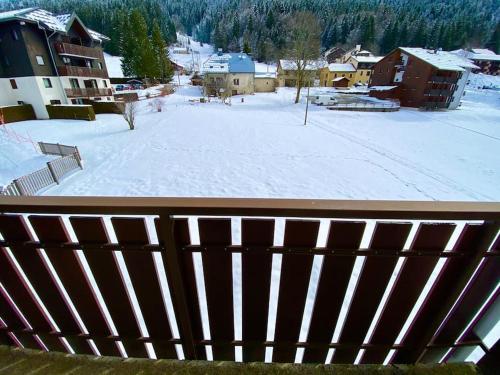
(88, 92)
(439, 79)
(460, 238)
(78, 71)
(77, 50)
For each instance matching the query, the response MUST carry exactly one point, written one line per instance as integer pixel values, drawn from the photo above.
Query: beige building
(265, 82)
(329, 75)
(232, 73)
(364, 67)
(287, 72)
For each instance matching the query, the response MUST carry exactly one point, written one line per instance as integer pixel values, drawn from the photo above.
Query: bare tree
(130, 113)
(157, 104)
(303, 47)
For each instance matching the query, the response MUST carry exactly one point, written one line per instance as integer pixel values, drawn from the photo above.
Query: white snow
(114, 65)
(334, 67)
(197, 55)
(260, 148)
(442, 60)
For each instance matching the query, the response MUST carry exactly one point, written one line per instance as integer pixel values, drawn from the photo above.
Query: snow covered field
(260, 148)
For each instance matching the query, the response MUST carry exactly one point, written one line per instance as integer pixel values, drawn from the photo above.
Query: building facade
(429, 79)
(487, 61)
(287, 72)
(329, 75)
(364, 67)
(47, 59)
(229, 74)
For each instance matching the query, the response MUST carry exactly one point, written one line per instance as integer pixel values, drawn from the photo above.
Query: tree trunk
(297, 97)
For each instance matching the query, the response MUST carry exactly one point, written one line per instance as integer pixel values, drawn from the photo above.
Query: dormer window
(39, 60)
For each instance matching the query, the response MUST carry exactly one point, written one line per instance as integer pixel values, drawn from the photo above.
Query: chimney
(358, 47)
(219, 51)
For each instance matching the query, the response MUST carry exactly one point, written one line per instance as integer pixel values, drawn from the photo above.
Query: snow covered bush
(157, 104)
(130, 113)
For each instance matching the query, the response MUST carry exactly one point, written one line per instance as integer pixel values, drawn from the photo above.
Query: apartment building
(50, 59)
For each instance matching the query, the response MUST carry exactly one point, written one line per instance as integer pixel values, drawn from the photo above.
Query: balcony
(87, 92)
(438, 92)
(436, 105)
(79, 71)
(77, 50)
(440, 79)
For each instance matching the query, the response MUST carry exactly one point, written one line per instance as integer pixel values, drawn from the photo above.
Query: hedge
(108, 107)
(17, 113)
(71, 112)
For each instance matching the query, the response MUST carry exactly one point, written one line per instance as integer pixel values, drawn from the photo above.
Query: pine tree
(246, 47)
(163, 68)
(494, 42)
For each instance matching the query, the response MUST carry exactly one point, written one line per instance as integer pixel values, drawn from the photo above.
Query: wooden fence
(222, 288)
(55, 170)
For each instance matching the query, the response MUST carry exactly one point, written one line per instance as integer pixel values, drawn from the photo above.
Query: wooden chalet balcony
(438, 92)
(87, 92)
(79, 71)
(77, 50)
(439, 79)
(453, 307)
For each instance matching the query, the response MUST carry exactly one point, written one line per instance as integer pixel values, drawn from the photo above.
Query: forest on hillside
(260, 25)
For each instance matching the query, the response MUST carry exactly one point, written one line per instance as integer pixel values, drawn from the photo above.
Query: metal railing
(80, 71)
(57, 149)
(88, 92)
(366, 106)
(77, 50)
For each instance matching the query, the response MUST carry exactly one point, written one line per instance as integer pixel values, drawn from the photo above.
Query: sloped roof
(60, 23)
(367, 59)
(292, 65)
(341, 68)
(479, 54)
(229, 63)
(339, 79)
(441, 60)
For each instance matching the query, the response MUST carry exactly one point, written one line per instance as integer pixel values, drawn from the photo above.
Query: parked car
(119, 88)
(324, 100)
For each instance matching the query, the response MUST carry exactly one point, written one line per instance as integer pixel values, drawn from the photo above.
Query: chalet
(487, 62)
(287, 72)
(48, 59)
(333, 54)
(230, 73)
(363, 63)
(330, 74)
(429, 79)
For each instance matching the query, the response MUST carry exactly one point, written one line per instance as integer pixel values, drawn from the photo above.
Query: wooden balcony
(79, 71)
(439, 79)
(77, 50)
(88, 92)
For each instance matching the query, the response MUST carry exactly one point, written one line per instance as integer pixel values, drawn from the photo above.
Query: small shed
(340, 82)
(196, 79)
(265, 82)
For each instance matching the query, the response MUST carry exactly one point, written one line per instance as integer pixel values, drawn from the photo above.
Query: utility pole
(307, 103)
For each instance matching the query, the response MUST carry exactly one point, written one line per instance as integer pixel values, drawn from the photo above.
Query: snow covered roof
(60, 23)
(341, 68)
(441, 60)
(339, 79)
(292, 65)
(382, 88)
(229, 63)
(478, 54)
(265, 75)
(367, 59)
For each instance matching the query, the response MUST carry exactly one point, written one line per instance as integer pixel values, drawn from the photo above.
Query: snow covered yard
(260, 148)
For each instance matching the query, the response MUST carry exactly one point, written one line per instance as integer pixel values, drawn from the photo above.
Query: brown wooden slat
(256, 282)
(490, 363)
(444, 284)
(411, 280)
(332, 285)
(23, 300)
(142, 271)
(184, 263)
(294, 282)
(13, 228)
(51, 229)
(12, 320)
(480, 288)
(91, 230)
(371, 285)
(218, 272)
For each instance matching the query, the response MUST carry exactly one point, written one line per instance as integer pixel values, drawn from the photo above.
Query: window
(39, 60)
(88, 63)
(77, 101)
(99, 64)
(74, 83)
(15, 35)
(66, 60)
(367, 73)
(343, 75)
(361, 73)
(350, 75)
(55, 101)
(336, 75)
(104, 83)
(20, 102)
(47, 83)
(13, 83)
(236, 81)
